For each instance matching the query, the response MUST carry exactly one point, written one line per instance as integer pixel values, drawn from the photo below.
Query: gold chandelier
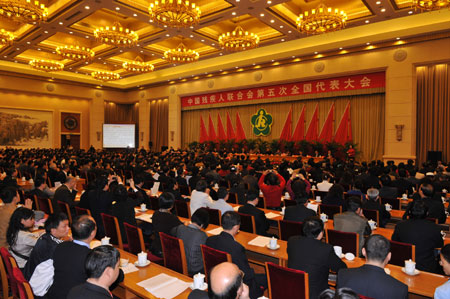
(138, 66)
(174, 13)
(23, 11)
(76, 53)
(238, 40)
(321, 20)
(46, 65)
(181, 54)
(6, 37)
(105, 75)
(431, 4)
(116, 35)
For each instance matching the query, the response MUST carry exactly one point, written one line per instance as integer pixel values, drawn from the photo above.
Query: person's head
(120, 193)
(373, 193)
(252, 196)
(201, 218)
(39, 182)
(354, 204)
(336, 191)
(445, 259)
(313, 228)
(342, 293)
(385, 180)
(21, 219)
(71, 182)
(57, 225)
(102, 264)
(101, 183)
(231, 221)
(166, 201)
(325, 177)
(419, 210)
(377, 249)
(139, 180)
(272, 179)
(9, 195)
(427, 189)
(226, 282)
(222, 193)
(84, 228)
(299, 189)
(201, 186)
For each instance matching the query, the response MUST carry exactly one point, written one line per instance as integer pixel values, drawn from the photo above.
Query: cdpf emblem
(261, 123)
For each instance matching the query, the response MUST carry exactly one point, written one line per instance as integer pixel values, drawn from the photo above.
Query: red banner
(344, 83)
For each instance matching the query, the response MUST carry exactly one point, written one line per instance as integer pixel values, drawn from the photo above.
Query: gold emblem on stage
(261, 123)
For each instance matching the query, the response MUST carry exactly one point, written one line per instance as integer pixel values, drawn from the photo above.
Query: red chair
(4, 277)
(64, 207)
(9, 270)
(247, 223)
(214, 216)
(154, 201)
(24, 288)
(288, 229)
(372, 215)
(212, 257)
(82, 211)
(261, 203)
(400, 252)
(348, 241)
(136, 243)
(45, 205)
(112, 229)
(286, 283)
(182, 209)
(173, 253)
(330, 210)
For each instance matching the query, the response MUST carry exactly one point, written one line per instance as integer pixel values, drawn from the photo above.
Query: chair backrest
(9, 271)
(261, 203)
(214, 216)
(173, 253)
(184, 190)
(23, 286)
(286, 283)
(182, 209)
(330, 210)
(289, 202)
(322, 194)
(64, 207)
(154, 202)
(82, 211)
(400, 252)
(348, 241)
(212, 257)
(394, 202)
(347, 196)
(288, 229)
(232, 198)
(135, 238)
(224, 183)
(4, 278)
(372, 215)
(247, 223)
(45, 205)
(431, 219)
(112, 229)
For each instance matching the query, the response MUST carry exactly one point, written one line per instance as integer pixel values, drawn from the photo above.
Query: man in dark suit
(432, 200)
(136, 186)
(298, 212)
(66, 193)
(261, 222)
(39, 187)
(231, 221)
(422, 233)
(386, 191)
(402, 184)
(308, 253)
(373, 203)
(370, 280)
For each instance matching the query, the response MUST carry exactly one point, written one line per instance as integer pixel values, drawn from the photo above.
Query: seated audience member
(261, 222)
(422, 233)
(434, 203)
(342, 293)
(39, 267)
(308, 253)
(325, 185)
(39, 187)
(66, 193)
(100, 201)
(123, 209)
(299, 212)
(370, 280)
(172, 187)
(200, 197)
(402, 184)
(356, 189)
(136, 186)
(221, 202)
(386, 191)
(102, 269)
(272, 185)
(225, 241)
(372, 203)
(193, 236)
(10, 198)
(163, 220)
(20, 240)
(225, 282)
(353, 221)
(335, 196)
(297, 187)
(443, 291)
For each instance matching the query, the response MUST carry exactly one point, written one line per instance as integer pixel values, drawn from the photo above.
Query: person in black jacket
(298, 212)
(308, 253)
(66, 193)
(100, 201)
(123, 209)
(372, 203)
(261, 222)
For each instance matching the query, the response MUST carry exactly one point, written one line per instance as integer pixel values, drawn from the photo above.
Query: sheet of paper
(164, 286)
(129, 268)
(271, 215)
(95, 243)
(155, 188)
(145, 217)
(312, 207)
(260, 241)
(215, 231)
(156, 282)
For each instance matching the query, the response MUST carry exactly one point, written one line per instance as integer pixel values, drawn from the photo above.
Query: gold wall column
(144, 121)
(96, 118)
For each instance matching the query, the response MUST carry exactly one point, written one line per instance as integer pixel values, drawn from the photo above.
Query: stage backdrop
(367, 118)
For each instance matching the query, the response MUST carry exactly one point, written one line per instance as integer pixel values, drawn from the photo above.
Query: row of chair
(10, 272)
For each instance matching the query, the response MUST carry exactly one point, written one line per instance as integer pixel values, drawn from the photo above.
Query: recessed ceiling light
(261, 15)
(398, 38)
(290, 31)
(272, 21)
(316, 52)
(281, 26)
(213, 44)
(15, 61)
(70, 32)
(142, 51)
(191, 36)
(167, 34)
(254, 63)
(233, 13)
(269, 2)
(378, 2)
(135, 15)
(340, 48)
(138, 45)
(367, 21)
(383, 9)
(103, 62)
(165, 26)
(61, 23)
(151, 21)
(282, 39)
(86, 7)
(117, 8)
(28, 43)
(410, 12)
(367, 43)
(203, 40)
(17, 49)
(86, 62)
(121, 51)
(273, 60)
(5, 56)
(221, 54)
(293, 56)
(153, 54)
(236, 67)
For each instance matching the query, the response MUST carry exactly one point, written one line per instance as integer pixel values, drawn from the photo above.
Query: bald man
(225, 282)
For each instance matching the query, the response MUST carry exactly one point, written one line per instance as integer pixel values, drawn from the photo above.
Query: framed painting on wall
(26, 128)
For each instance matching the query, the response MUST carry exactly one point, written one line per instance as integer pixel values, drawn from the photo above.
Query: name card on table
(260, 241)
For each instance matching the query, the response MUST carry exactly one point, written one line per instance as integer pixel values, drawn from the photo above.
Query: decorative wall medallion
(70, 123)
(257, 76)
(173, 89)
(210, 83)
(400, 55)
(319, 67)
(261, 123)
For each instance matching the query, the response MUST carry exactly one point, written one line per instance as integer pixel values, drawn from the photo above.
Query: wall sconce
(399, 129)
(172, 134)
(142, 136)
(99, 134)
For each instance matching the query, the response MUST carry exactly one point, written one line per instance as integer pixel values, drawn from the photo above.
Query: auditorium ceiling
(72, 22)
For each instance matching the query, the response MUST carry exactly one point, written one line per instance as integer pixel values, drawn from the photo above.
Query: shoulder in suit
(298, 213)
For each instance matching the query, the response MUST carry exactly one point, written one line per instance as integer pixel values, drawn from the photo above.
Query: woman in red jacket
(272, 185)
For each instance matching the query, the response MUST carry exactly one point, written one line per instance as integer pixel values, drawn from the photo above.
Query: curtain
(123, 114)
(367, 118)
(159, 123)
(433, 111)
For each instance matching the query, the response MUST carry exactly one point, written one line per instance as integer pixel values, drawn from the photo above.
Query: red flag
(212, 131)
(312, 132)
(287, 128)
(220, 129)
(230, 131)
(326, 135)
(299, 133)
(240, 134)
(203, 133)
(344, 130)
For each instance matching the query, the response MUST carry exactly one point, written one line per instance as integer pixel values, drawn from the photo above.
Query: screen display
(118, 136)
